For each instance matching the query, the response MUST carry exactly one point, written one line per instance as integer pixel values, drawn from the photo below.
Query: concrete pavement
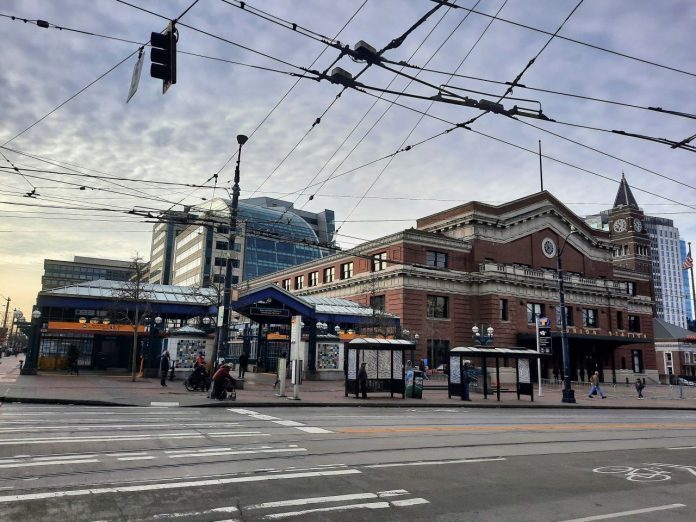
(116, 389)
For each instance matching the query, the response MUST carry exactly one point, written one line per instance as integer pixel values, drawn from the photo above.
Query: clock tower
(627, 232)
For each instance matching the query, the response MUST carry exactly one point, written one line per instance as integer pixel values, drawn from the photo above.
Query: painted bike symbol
(636, 474)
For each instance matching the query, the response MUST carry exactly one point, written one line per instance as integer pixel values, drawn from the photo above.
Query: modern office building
(81, 269)
(668, 281)
(190, 248)
(484, 265)
(688, 305)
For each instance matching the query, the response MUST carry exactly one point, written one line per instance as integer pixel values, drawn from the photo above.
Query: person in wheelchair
(223, 383)
(198, 374)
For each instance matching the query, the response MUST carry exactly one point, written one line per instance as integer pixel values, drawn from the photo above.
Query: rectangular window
(504, 315)
(568, 316)
(633, 323)
(589, 317)
(329, 275)
(437, 259)
(347, 270)
(378, 302)
(637, 359)
(220, 261)
(534, 311)
(286, 284)
(630, 288)
(299, 282)
(313, 278)
(379, 261)
(438, 307)
(619, 321)
(221, 245)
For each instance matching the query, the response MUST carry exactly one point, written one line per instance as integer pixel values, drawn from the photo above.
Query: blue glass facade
(685, 283)
(274, 240)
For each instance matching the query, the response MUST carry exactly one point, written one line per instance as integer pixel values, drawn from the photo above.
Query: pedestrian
(362, 380)
(280, 371)
(595, 388)
(221, 381)
(466, 380)
(243, 362)
(200, 360)
(164, 367)
(555, 375)
(73, 356)
(640, 386)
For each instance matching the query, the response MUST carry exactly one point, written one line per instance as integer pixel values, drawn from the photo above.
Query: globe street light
(568, 392)
(483, 340)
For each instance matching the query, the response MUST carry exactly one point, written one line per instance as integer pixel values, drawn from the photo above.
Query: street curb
(375, 404)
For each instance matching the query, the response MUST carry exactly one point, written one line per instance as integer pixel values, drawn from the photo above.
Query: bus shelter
(385, 359)
(523, 376)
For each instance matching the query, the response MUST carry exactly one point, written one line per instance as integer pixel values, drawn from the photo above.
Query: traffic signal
(163, 56)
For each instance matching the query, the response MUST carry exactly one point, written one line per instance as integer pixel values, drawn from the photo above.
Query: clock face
(637, 225)
(620, 225)
(549, 247)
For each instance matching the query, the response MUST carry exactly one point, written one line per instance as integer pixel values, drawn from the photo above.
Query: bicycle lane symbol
(654, 472)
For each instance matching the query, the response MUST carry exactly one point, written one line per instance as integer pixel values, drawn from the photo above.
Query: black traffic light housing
(163, 56)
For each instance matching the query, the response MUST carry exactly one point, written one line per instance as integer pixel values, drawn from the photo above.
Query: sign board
(269, 312)
(135, 79)
(544, 341)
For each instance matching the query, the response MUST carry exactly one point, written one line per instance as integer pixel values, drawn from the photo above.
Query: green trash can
(414, 384)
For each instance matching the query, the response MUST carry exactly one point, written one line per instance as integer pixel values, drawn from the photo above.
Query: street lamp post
(31, 359)
(568, 392)
(227, 294)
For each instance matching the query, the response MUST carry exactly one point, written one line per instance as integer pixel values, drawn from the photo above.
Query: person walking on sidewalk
(279, 370)
(164, 368)
(73, 356)
(595, 388)
(243, 362)
(639, 388)
(362, 380)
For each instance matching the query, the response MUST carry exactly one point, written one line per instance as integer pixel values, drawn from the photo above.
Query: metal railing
(628, 390)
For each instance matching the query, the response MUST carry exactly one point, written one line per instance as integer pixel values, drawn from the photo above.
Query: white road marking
(47, 463)
(288, 423)
(433, 462)
(392, 493)
(225, 509)
(683, 448)
(627, 513)
(237, 452)
(172, 485)
(148, 457)
(129, 454)
(78, 427)
(111, 438)
(66, 457)
(690, 469)
(369, 505)
(312, 429)
(311, 500)
(409, 502)
(164, 404)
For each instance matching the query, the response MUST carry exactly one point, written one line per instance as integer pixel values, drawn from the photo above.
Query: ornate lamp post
(227, 290)
(568, 392)
(483, 340)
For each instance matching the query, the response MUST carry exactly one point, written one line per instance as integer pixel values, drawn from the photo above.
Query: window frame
(432, 258)
(299, 282)
(435, 310)
(329, 274)
(378, 262)
(590, 313)
(347, 268)
(313, 279)
(533, 314)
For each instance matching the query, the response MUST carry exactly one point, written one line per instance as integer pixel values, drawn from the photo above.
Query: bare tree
(135, 304)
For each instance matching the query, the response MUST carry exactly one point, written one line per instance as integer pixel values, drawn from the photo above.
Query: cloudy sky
(187, 135)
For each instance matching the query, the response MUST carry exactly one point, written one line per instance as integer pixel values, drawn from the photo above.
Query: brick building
(480, 264)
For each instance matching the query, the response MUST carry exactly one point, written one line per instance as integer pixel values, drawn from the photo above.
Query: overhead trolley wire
(568, 39)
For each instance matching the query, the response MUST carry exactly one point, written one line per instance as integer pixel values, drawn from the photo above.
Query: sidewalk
(116, 389)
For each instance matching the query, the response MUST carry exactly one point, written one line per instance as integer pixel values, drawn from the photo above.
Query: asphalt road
(311, 464)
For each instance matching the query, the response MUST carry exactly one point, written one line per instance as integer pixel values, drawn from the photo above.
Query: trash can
(414, 384)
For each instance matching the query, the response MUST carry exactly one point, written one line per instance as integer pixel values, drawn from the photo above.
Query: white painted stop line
(627, 513)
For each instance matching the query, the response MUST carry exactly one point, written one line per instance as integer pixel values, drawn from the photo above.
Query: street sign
(544, 341)
(135, 79)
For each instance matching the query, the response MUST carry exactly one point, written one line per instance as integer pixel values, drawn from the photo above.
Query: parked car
(685, 382)
(440, 369)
